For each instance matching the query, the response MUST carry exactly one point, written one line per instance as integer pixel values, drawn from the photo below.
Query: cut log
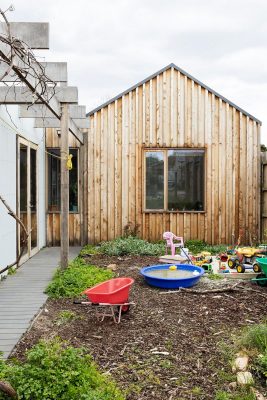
(6, 388)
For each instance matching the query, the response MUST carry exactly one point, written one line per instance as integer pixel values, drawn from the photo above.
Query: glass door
(23, 196)
(27, 198)
(33, 198)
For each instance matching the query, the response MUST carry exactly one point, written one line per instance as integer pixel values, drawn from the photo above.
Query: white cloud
(112, 44)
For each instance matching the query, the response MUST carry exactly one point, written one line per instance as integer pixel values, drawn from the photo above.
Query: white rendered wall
(8, 188)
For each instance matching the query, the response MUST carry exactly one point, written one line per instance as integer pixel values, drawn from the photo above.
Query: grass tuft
(255, 338)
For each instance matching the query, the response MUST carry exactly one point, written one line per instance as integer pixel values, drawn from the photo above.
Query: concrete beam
(56, 72)
(34, 34)
(23, 95)
(75, 131)
(67, 94)
(55, 123)
(41, 111)
(55, 108)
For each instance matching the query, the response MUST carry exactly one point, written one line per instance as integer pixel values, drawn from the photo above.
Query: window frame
(48, 150)
(165, 150)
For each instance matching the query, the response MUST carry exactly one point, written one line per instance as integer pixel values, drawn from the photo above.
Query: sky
(110, 45)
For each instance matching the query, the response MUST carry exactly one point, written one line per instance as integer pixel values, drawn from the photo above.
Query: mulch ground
(169, 346)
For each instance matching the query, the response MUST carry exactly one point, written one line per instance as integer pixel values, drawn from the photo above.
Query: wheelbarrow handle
(86, 303)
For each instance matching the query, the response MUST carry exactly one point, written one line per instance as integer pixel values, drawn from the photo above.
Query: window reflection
(154, 180)
(186, 180)
(185, 186)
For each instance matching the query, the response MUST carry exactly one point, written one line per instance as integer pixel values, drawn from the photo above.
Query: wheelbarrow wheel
(124, 309)
(240, 268)
(259, 280)
(256, 268)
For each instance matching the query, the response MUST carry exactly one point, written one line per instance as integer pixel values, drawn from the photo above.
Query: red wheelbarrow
(113, 295)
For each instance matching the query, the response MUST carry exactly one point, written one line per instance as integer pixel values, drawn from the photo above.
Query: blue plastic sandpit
(170, 282)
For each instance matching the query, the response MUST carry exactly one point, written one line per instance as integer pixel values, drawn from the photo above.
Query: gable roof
(182, 72)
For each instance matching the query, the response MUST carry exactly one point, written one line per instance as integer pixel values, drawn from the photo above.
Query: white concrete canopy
(81, 123)
(55, 71)
(34, 34)
(24, 31)
(41, 111)
(23, 95)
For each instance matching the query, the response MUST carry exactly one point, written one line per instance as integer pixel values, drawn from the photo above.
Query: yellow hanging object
(69, 161)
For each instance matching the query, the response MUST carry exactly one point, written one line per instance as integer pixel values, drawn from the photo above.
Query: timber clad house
(171, 154)
(168, 154)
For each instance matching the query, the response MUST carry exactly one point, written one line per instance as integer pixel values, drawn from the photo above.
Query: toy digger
(203, 260)
(245, 256)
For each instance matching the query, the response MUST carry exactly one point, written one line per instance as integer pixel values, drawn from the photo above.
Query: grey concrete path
(21, 295)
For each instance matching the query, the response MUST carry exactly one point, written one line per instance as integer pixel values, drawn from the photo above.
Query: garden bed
(167, 347)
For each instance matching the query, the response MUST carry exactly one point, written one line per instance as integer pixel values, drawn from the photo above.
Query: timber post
(64, 221)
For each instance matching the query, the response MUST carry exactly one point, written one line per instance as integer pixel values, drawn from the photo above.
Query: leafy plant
(261, 363)
(131, 245)
(255, 339)
(65, 316)
(239, 394)
(197, 246)
(53, 370)
(215, 277)
(76, 278)
(197, 391)
(89, 249)
(216, 249)
(12, 271)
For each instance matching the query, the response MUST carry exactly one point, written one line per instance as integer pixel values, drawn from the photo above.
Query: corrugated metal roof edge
(182, 72)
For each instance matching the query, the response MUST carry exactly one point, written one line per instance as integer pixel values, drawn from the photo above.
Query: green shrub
(135, 246)
(76, 278)
(261, 363)
(255, 338)
(197, 246)
(216, 249)
(131, 245)
(55, 371)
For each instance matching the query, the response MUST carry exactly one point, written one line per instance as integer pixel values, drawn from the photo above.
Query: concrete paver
(22, 295)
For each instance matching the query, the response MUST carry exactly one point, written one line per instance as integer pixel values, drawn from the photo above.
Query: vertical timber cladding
(53, 218)
(172, 110)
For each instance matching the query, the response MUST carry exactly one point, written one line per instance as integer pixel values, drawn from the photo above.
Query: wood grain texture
(172, 111)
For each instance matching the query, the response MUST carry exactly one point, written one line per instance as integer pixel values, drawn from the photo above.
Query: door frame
(29, 145)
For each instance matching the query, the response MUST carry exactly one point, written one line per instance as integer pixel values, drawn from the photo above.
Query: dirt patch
(167, 346)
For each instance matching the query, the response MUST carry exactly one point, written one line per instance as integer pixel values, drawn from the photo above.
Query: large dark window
(183, 186)
(54, 181)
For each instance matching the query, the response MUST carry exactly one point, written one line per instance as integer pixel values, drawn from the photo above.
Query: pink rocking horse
(173, 242)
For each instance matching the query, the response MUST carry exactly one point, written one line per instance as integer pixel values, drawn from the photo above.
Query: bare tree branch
(22, 61)
(25, 235)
